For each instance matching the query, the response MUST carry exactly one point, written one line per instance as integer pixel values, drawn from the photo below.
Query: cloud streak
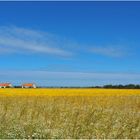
(20, 40)
(110, 51)
(48, 78)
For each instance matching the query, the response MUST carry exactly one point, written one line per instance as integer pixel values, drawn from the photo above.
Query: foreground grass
(70, 117)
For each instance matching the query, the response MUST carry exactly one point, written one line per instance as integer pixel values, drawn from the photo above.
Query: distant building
(28, 85)
(5, 85)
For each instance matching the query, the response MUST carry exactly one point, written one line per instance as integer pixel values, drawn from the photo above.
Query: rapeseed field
(68, 92)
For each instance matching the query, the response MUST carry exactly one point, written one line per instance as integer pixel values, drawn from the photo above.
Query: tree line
(129, 86)
(120, 86)
(110, 86)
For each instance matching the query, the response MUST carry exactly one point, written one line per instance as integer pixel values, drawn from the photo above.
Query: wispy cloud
(20, 40)
(48, 78)
(111, 51)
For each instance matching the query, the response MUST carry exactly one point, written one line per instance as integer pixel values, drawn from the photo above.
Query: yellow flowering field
(68, 92)
(69, 114)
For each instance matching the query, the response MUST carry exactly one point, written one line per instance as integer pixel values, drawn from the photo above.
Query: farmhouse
(5, 85)
(28, 85)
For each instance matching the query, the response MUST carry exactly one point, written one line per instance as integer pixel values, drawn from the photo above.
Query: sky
(70, 43)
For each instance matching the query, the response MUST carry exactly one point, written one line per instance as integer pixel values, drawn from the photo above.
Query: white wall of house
(2, 87)
(34, 86)
(10, 85)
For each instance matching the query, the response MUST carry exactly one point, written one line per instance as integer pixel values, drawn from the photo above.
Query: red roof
(5, 84)
(28, 84)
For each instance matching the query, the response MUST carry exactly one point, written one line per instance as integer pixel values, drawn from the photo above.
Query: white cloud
(48, 78)
(20, 40)
(111, 51)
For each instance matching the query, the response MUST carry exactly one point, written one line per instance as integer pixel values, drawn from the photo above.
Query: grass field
(69, 113)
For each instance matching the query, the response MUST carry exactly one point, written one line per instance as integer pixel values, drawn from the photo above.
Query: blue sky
(70, 43)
